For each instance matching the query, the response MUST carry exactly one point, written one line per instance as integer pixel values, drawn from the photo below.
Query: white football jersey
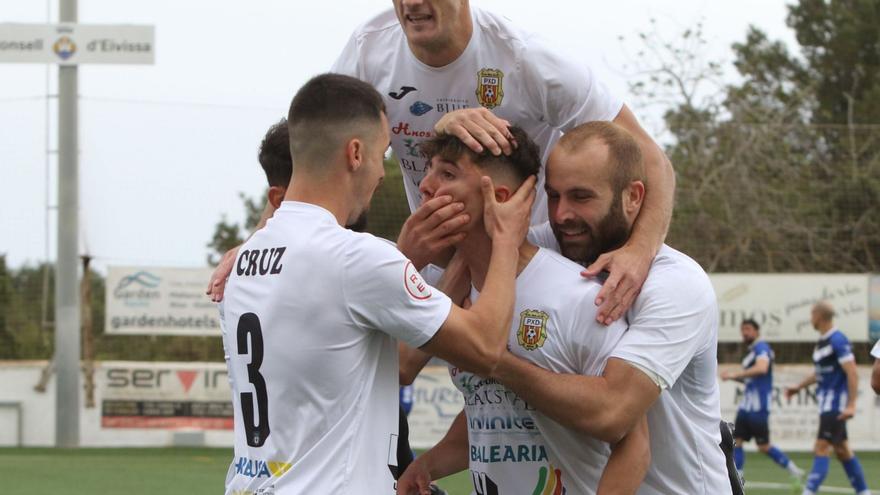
(310, 317)
(513, 73)
(514, 448)
(673, 333)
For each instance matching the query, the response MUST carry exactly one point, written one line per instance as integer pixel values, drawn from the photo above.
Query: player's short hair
(752, 322)
(274, 155)
(326, 112)
(626, 163)
(825, 310)
(523, 161)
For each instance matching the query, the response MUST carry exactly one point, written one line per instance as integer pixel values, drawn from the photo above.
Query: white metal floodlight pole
(69, 44)
(67, 304)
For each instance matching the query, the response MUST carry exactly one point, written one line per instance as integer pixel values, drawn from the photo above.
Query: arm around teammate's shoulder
(606, 407)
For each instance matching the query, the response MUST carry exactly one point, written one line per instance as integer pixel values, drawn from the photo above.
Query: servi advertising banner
(160, 301)
(164, 395)
(781, 304)
(72, 44)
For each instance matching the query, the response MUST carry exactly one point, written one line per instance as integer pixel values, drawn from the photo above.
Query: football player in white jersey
(507, 445)
(666, 363)
(312, 310)
(443, 65)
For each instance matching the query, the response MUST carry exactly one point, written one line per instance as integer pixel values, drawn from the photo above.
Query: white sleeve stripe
(649, 367)
(846, 359)
(657, 379)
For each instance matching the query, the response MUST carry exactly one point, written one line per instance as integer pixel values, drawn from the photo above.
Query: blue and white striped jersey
(758, 388)
(832, 350)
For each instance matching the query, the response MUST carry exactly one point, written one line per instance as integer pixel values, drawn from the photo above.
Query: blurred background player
(836, 392)
(752, 417)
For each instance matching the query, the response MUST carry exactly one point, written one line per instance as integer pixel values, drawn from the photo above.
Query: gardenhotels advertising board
(160, 301)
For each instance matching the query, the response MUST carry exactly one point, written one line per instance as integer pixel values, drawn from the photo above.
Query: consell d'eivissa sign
(160, 301)
(72, 44)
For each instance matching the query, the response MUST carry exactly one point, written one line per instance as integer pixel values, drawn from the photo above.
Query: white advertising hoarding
(164, 395)
(436, 402)
(160, 301)
(794, 424)
(781, 304)
(72, 44)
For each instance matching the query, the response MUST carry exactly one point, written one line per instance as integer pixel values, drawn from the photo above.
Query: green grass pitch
(38, 471)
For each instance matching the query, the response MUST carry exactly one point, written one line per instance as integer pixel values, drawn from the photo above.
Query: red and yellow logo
(490, 90)
(532, 329)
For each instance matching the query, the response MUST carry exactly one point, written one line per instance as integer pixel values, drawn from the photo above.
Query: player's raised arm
(629, 265)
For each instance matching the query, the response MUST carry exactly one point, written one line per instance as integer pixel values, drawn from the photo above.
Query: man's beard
(611, 233)
(748, 340)
(360, 223)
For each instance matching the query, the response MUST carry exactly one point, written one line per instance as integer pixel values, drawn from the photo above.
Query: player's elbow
(486, 360)
(611, 426)
(406, 376)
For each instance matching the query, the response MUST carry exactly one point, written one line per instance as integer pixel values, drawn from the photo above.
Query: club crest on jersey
(532, 329)
(490, 90)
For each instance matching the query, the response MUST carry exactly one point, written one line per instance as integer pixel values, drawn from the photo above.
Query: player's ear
(276, 195)
(633, 197)
(354, 154)
(502, 193)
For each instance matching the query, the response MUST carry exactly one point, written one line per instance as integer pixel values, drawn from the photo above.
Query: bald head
(824, 310)
(822, 316)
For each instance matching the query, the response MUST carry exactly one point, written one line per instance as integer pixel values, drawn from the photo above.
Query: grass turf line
(88, 471)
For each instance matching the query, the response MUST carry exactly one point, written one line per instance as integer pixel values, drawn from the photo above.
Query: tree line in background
(778, 172)
(781, 171)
